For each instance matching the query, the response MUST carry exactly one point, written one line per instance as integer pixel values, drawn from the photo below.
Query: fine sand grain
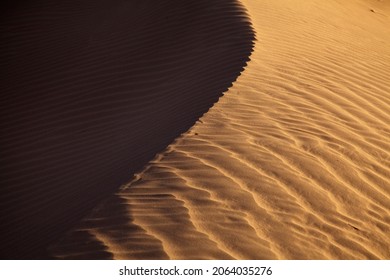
(292, 163)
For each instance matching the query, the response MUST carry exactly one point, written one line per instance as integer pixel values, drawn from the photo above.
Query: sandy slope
(91, 91)
(292, 163)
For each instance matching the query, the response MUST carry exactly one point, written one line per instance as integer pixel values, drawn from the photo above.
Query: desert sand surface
(91, 91)
(123, 136)
(293, 162)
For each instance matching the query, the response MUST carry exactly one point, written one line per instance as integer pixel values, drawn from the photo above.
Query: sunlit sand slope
(292, 163)
(91, 91)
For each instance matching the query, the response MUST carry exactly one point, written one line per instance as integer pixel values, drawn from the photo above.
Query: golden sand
(293, 162)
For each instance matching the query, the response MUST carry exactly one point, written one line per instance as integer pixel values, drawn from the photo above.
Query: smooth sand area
(292, 163)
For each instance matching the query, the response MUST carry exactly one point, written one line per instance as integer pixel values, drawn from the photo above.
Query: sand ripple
(292, 163)
(91, 91)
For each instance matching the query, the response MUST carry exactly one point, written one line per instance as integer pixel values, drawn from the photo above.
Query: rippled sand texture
(92, 90)
(292, 163)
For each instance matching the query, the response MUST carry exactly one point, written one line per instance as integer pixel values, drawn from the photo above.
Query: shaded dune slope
(292, 163)
(92, 90)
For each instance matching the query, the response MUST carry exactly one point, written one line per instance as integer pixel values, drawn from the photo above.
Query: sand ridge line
(93, 90)
(291, 161)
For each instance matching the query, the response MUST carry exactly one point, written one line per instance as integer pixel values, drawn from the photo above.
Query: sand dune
(91, 91)
(292, 163)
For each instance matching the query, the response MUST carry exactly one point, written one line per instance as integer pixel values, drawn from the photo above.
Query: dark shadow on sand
(91, 91)
(115, 226)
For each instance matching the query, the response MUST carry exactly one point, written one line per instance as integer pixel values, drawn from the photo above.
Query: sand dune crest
(293, 162)
(91, 92)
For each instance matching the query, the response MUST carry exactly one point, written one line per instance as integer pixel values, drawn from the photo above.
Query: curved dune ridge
(92, 90)
(292, 163)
